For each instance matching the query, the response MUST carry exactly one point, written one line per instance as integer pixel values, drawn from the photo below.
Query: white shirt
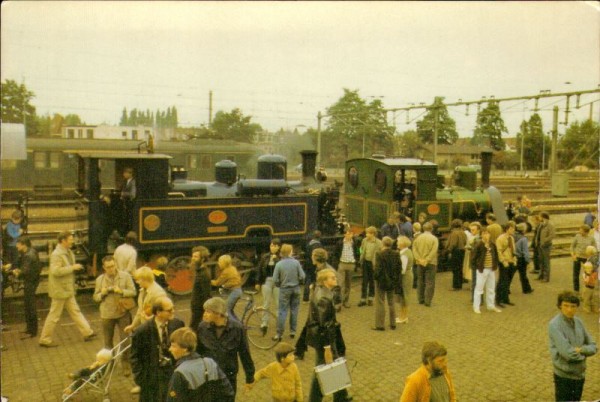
(125, 257)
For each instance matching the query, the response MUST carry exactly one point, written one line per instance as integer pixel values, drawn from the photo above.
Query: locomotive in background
(234, 215)
(378, 186)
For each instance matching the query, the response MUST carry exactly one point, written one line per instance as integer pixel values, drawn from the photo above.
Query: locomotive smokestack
(486, 167)
(309, 162)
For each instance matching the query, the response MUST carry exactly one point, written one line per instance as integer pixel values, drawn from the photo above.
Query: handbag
(126, 303)
(333, 377)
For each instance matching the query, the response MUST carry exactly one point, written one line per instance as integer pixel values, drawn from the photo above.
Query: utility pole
(319, 117)
(553, 163)
(436, 112)
(210, 108)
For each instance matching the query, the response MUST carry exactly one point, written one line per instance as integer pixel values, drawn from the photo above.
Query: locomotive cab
(377, 187)
(107, 211)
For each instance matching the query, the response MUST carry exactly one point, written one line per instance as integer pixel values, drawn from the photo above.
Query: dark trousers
(414, 269)
(367, 289)
(315, 389)
(566, 389)
(522, 269)
(576, 271)
(544, 258)
(426, 283)
(232, 377)
(157, 391)
(311, 277)
(31, 308)
(503, 286)
(536, 259)
(456, 262)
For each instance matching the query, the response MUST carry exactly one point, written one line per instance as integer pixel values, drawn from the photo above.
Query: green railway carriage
(379, 186)
(51, 162)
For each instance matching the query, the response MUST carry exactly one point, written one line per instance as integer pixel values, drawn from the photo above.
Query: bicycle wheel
(259, 335)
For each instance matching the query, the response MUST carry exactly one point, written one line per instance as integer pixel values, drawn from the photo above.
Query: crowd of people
(170, 361)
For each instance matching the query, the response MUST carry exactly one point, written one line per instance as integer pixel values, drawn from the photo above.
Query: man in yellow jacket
(431, 381)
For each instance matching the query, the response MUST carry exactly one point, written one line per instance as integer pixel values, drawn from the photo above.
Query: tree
(73, 120)
(408, 144)
(355, 128)
(446, 126)
(535, 143)
(124, 119)
(235, 126)
(489, 127)
(16, 106)
(579, 145)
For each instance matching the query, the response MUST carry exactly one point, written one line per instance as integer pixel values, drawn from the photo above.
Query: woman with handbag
(115, 292)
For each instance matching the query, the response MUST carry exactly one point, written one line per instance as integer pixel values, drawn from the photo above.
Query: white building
(106, 132)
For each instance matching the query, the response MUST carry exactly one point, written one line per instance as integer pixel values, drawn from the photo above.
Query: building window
(353, 177)
(39, 160)
(54, 160)
(206, 162)
(192, 161)
(134, 135)
(124, 134)
(70, 133)
(90, 133)
(9, 164)
(380, 180)
(79, 133)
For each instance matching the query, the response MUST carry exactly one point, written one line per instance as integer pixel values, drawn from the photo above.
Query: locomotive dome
(272, 167)
(226, 172)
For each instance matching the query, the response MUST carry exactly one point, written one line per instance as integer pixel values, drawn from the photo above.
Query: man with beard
(431, 381)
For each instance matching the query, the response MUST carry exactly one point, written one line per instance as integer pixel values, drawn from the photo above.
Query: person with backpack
(195, 378)
(387, 275)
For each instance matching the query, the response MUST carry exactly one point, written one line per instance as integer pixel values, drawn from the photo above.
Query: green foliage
(235, 126)
(355, 128)
(535, 143)
(506, 160)
(489, 127)
(291, 143)
(446, 126)
(16, 107)
(579, 145)
(73, 120)
(162, 119)
(408, 144)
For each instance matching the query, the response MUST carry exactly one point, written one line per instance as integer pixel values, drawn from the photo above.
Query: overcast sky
(283, 62)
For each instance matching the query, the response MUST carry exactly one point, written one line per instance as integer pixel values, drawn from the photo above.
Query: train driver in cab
(128, 193)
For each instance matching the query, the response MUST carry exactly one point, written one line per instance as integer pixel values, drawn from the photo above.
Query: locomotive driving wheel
(180, 275)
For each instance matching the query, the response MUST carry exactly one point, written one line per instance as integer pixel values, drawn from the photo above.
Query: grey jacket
(109, 304)
(564, 338)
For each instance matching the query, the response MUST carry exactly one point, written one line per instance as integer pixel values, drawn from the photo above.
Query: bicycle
(260, 324)
(11, 280)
